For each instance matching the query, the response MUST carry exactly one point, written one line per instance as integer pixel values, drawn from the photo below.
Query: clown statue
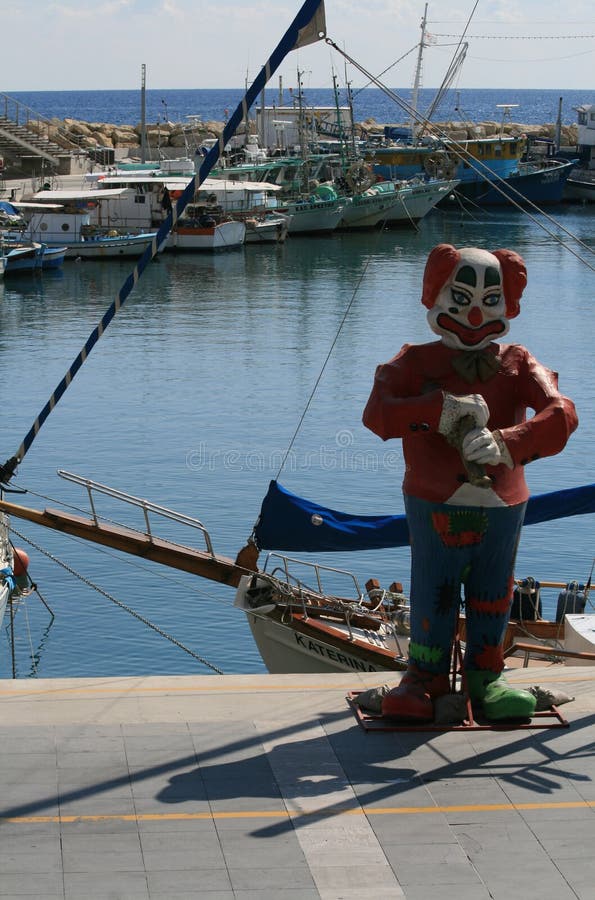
(459, 405)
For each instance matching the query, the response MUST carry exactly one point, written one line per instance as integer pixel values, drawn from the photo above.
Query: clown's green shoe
(499, 699)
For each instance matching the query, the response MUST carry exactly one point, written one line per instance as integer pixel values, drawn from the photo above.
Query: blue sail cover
(291, 523)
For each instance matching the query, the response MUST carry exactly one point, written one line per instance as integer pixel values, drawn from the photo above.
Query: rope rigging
(476, 165)
(117, 602)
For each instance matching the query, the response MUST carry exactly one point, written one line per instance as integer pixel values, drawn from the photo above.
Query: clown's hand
(456, 408)
(480, 446)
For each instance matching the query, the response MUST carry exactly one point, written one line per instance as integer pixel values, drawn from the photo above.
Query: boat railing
(145, 505)
(284, 563)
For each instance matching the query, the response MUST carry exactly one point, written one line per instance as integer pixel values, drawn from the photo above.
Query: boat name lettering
(335, 656)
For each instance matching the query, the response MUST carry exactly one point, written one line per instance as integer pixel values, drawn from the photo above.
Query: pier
(267, 787)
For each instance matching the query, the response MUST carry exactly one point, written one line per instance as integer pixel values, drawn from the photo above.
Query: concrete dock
(266, 787)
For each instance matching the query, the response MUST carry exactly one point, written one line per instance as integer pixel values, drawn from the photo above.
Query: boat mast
(558, 127)
(305, 167)
(143, 115)
(339, 124)
(418, 73)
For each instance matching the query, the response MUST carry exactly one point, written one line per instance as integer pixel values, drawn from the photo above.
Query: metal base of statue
(471, 721)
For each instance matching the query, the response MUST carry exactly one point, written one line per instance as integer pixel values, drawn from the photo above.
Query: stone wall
(90, 135)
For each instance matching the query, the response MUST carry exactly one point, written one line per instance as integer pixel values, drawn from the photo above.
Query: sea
(222, 372)
(530, 107)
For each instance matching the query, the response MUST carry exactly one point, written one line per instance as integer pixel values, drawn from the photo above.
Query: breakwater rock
(89, 135)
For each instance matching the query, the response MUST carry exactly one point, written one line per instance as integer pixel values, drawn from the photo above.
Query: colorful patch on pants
(420, 653)
(460, 528)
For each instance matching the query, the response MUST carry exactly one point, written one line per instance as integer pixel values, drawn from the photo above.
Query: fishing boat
(205, 228)
(78, 221)
(580, 184)
(266, 227)
(23, 257)
(148, 191)
(395, 203)
(490, 169)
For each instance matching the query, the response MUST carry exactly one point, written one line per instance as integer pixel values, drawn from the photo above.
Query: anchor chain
(117, 602)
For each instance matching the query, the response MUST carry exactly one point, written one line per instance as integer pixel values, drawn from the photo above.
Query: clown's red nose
(475, 316)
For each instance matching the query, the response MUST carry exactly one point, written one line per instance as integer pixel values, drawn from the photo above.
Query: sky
(103, 44)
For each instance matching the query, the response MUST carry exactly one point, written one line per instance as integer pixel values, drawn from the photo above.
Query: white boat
(142, 199)
(394, 203)
(313, 214)
(205, 227)
(80, 222)
(3, 259)
(204, 233)
(267, 228)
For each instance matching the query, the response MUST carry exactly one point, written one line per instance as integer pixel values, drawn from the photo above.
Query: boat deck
(266, 787)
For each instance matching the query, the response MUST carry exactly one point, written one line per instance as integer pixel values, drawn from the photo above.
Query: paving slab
(265, 786)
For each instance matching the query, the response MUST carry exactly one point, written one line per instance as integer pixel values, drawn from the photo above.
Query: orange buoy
(20, 561)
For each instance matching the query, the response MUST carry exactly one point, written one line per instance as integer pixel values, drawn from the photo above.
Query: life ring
(440, 164)
(359, 176)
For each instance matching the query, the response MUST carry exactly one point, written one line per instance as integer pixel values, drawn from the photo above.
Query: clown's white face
(470, 310)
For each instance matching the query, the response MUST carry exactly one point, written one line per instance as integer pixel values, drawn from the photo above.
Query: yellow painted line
(125, 691)
(139, 689)
(328, 812)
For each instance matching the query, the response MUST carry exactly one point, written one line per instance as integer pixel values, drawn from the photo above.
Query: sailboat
(366, 630)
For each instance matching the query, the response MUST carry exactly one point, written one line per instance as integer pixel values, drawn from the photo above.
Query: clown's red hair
(443, 260)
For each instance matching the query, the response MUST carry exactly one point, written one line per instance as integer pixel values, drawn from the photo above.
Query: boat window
(65, 226)
(139, 198)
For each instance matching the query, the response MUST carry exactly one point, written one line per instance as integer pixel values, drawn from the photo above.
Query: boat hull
(224, 236)
(580, 185)
(270, 230)
(311, 647)
(579, 636)
(540, 185)
(108, 247)
(53, 257)
(24, 260)
(309, 217)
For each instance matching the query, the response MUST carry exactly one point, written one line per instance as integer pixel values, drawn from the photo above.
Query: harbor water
(192, 399)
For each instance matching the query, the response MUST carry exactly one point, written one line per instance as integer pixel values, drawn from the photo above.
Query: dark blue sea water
(192, 397)
(124, 107)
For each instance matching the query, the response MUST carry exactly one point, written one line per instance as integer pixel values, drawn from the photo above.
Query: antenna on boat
(143, 114)
(506, 115)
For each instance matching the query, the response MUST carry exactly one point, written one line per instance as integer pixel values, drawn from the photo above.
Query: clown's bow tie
(475, 365)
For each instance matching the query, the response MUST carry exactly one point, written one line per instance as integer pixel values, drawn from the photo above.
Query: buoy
(20, 562)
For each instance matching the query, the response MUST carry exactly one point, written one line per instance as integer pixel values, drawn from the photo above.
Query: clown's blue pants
(461, 545)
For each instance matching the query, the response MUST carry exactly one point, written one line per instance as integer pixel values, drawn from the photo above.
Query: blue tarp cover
(291, 523)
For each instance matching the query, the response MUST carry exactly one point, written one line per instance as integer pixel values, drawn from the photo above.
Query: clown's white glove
(455, 408)
(480, 445)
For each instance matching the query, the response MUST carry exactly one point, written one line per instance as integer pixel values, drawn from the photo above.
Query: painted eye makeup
(459, 297)
(492, 300)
